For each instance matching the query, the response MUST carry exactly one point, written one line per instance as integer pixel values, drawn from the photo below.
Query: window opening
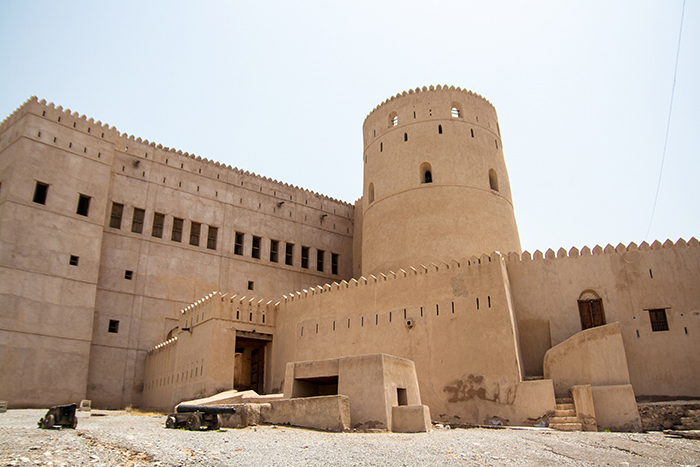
(405, 136)
(195, 228)
(40, 192)
(590, 307)
(472, 130)
(274, 250)
(238, 244)
(73, 261)
(251, 285)
(334, 263)
(455, 112)
(137, 220)
(113, 326)
(402, 396)
(426, 173)
(177, 229)
(289, 254)
(319, 260)
(496, 141)
(477, 303)
(439, 129)
(305, 257)
(158, 221)
(659, 321)
(128, 275)
(371, 193)
(493, 180)
(83, 205)
(115, 220)
(381, 147)
(393, 119)
(212, 235)
(256, 247)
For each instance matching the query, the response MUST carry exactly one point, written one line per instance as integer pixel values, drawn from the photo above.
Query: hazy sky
(582, 90)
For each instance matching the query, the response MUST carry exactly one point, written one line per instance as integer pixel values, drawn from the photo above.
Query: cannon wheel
(49, 421)
(74, 423)
(194, 423)
(170, 422)
(217, 423)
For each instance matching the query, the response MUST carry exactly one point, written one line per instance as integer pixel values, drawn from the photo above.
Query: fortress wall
(465, 354)
(630, 280)
(464, 208)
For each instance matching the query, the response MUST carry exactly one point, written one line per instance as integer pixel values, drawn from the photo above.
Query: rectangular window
(334, 263)
(73, 261)
(195, 227)
(238, 245)
(211, 237)
(115, 221)
(128, 275)
(177, 230)
(137, 221)
(83, 205)
(256, 247)
(289, 254)
(158, 221)
(40, 193)
(113, 326)
(251, 285)
(274, 250)
(319, 260)
(659, 322)
(305, 257)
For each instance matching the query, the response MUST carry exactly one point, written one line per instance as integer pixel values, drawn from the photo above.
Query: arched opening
(370, 193)
(426, 173)
(456, 111)
(493, 180)
(590, 309)
(393, 119)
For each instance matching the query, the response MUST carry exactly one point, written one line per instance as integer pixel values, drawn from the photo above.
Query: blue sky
(582, 90)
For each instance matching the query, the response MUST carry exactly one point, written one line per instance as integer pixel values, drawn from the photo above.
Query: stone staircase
(565, 418)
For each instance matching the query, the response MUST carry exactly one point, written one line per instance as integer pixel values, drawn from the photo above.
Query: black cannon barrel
(208, 409)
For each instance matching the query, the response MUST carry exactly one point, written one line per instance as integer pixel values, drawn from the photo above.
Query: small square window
(659, 321)
(73, 261)
(128, 274)
(40, 192)
(113, 326)
(137, 221)
(251, 285)
(83, 205)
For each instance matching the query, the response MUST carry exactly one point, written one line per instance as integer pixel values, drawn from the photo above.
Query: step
(565, 413)
(565, 407)
(563, 420)
(566, 426)
(565, 400)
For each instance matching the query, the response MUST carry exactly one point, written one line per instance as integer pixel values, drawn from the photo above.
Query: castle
(132, 273)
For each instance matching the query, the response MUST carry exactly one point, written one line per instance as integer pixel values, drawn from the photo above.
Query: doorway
(249, 363)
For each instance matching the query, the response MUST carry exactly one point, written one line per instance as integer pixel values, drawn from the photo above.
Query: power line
(668, 124)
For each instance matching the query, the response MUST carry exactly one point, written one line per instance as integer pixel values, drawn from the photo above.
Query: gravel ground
(111, 438)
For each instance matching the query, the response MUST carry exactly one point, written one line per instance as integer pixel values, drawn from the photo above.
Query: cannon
(60, 415)
(197, 417)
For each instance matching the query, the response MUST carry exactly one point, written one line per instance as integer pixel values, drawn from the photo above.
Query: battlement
(170, 342)
(430, 88)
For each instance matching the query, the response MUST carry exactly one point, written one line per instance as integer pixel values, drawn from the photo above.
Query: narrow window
(493, 180)
(113, 326)
(211, 237)
(40, 193)
(371, 193)
(238, 244)
(393, 119)
(289, 254)
(334, 263)
(137, 220)
(158, 220)
(477, 303)
(472, 130)
(496, 141)
(426, 173)
(177, 229)
(274, 250)
(305, 257)
(405, 136)
(381, 147)
(115, 220)
(455, 112)
(128, 275)
(73, 261)
(319, 260)
(251, 285)
(659, 321)
(256, 247)
(195, 228)
(439, 129)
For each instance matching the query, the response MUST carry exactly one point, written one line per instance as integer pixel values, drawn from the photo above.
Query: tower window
(40, 193)
(439, 129)
(251, 285)
(177, 229)
(381, 147)
(115, 220)
(137, 220)
(371, 193)
(289, 254)
(305, 257)
(319, 260)
(393, 119)
(256, 248)
(496, 141)
(405, 136)
(212, 235)
(195, 228)
(238, 244)
(158, 220)
(659, 321)
(455, 112)
(493, 180)
(83, 205)
(472, 130)
(426, 173)
(274, 250)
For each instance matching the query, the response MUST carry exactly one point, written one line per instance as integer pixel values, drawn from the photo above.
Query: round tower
(435, 181)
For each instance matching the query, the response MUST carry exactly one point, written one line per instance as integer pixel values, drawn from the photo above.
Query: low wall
(329, 413)
(657, 416)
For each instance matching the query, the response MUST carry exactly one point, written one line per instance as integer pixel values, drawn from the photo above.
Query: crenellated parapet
(236, 308)
(163, 345)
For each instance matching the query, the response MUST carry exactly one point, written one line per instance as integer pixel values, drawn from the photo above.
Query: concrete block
(410, 419)
(329, 413)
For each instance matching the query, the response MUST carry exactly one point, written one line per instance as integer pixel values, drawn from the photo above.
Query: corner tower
(435, 181)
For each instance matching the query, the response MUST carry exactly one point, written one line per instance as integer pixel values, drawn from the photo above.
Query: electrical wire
(668, 124)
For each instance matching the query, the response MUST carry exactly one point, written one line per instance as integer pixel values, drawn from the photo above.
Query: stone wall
(658, 416)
